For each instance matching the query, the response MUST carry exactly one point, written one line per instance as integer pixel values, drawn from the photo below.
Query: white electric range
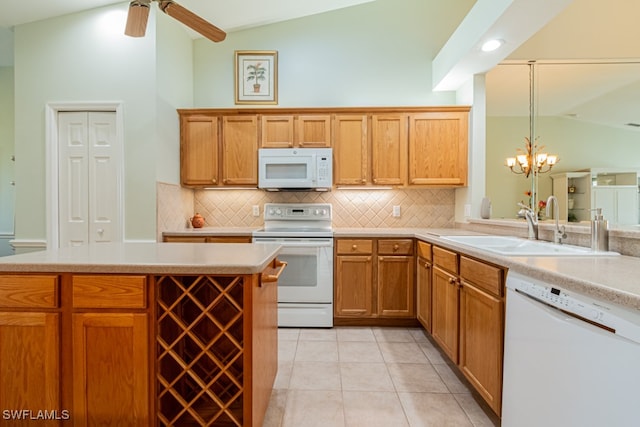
(305, 288)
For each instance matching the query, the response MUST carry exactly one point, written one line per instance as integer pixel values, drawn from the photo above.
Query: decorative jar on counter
(197, 221)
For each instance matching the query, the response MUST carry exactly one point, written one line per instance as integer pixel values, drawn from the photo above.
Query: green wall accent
(378, 53)
(579, 146)
(7, 191)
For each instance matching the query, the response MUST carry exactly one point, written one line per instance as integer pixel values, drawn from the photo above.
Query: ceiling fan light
(192, 21)
(137, 18)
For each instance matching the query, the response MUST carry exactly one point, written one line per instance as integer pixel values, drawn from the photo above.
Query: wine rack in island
(208, 330)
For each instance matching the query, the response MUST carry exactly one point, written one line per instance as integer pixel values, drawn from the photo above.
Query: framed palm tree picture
(256, 76)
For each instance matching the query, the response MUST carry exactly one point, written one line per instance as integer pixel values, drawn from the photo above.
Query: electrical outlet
(467, 210)
(396, 211)
(256, 210)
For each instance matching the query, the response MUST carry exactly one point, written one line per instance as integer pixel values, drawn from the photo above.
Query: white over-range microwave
(295, 169)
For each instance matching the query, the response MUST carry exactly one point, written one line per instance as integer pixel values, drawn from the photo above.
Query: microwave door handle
(314, 163)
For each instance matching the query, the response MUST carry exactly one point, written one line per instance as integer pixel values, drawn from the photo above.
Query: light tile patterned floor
(360, 376)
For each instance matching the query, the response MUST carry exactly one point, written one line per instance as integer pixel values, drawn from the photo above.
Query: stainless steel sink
(516, 246)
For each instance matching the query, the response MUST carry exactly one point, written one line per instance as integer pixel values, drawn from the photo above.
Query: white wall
(378, 53)
(77, 58)
(174, 65)
(374, 54)
(579, 146)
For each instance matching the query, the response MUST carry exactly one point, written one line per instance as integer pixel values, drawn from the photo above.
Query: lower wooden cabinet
(30, 363)
(110, 369)
(395, 286)
(365, 289)
(353, 278)
(482, 310)
(481, 347)
(468, 319)
(445, 311)
(424, 284)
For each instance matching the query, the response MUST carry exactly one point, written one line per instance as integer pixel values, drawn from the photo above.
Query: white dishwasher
(560, 370)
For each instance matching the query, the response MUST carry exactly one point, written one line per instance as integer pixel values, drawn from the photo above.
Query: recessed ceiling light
(491, 45)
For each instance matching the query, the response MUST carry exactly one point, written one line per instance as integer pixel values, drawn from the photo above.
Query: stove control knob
(271, 211)
(278, 212)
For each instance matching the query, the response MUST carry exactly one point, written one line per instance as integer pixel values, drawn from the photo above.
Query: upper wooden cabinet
(389, 149)
(390, 146)
(199, 146)
(240, 150)
(288, 131)
(277, 131)
(313, 131)
(438, 148)
(351, 149)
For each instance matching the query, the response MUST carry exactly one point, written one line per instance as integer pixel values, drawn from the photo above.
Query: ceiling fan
(139, 15)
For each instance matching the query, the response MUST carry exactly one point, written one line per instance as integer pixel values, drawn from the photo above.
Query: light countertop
(613, 279)
(147, 258)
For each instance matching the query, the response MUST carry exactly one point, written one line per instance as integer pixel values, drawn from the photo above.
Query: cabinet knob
(363, 180)
(291, 144)
(375, 180)
(396, 247)
(452, 280)
(354, 247)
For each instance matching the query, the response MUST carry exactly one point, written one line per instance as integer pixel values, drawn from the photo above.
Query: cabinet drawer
(184, 239)
(109, 291)
(355, 246)
(445, 259)
(395, 247)
(485, 276)
(424, 250)
(29, 291)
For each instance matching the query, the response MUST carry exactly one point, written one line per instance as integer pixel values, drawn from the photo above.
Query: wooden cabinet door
(389, 149)
(313, 131)
(110, 369)
(353, 286)
(240, 150)
(438, 148)
(423, 288)
(264, 348)
(277, 132)
(444, 321)
(395, 286)
(481, 338)
(199, 146)
(350, 151)
(30, 364)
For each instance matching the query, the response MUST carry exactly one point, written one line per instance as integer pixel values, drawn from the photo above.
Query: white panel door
(89, 172)
(627, 205)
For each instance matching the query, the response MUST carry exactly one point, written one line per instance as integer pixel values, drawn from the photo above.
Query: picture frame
(256, 76)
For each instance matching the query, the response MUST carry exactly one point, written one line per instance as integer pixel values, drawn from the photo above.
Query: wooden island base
(113, 349)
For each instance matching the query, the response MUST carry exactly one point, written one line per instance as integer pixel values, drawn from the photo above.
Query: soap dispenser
(599, 232)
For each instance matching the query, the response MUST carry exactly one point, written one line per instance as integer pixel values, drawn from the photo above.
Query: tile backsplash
(351, 208)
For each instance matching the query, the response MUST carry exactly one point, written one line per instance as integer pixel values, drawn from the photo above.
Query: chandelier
(532, 159)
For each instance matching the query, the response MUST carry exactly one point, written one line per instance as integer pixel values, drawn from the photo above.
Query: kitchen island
(139, 334)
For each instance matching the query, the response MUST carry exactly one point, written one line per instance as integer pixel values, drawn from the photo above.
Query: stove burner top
(296, 220)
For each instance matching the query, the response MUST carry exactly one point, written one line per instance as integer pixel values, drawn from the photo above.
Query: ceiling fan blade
(192, 21)
(137, 18)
